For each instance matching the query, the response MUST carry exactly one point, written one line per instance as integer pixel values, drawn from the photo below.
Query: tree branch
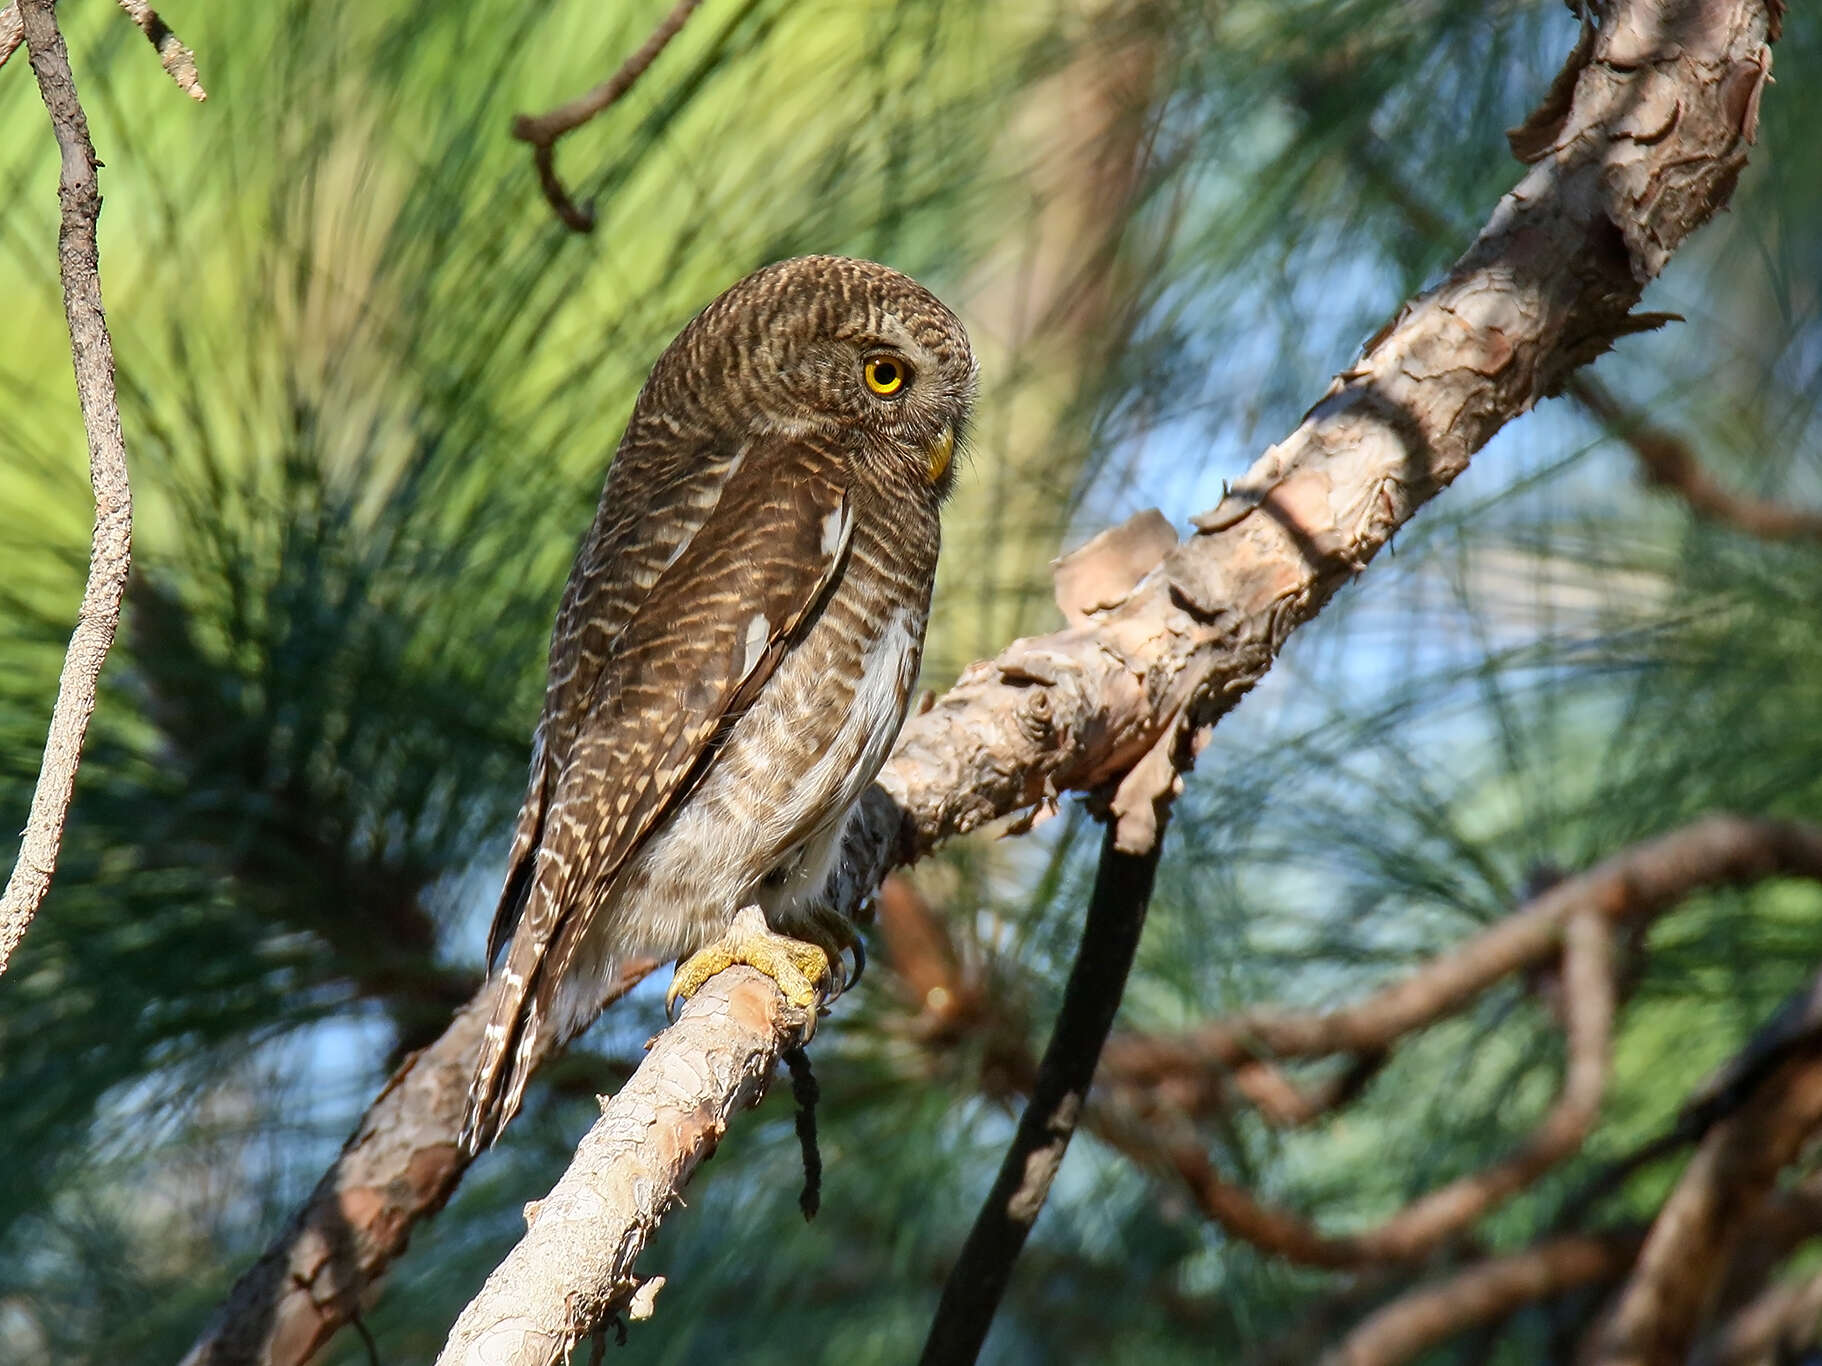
(110, 547)
(1110, 937)
(1640, 882)
(176, 59)
(543, 130)
(573, 1269)
(1485, 1293)
(1784, 1323)
(1692, 1241)
(1670, 464)
(1423, 1225)
(1548, 285)
(400, 1165)
(1633, 886)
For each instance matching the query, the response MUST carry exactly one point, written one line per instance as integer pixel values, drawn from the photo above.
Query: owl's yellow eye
(886, 376)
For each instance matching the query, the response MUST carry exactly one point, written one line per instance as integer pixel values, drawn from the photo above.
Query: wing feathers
(689, 660)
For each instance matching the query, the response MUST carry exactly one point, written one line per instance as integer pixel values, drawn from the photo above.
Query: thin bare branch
(1097, 979)
(543, 130)
(1794, 1028)
(1633, 886)
(110, 547)
(1427, 1222)
(573, 1269)
(1670, 463)
(176, 59)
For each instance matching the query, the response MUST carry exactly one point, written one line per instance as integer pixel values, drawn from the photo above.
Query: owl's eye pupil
(886, 373)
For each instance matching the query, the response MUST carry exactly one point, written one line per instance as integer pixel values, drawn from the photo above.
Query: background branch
(1097, 979)
(111, 545)
(1484, 1293)
(1727, 1182)
(1670, 464)
(173, 56)
(543, 130)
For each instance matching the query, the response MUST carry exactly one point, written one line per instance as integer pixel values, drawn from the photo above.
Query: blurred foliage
(369, 387)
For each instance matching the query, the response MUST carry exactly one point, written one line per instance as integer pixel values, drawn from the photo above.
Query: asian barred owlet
(734, 652)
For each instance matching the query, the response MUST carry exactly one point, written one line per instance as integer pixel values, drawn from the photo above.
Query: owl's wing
(658, 494)
(689, 660)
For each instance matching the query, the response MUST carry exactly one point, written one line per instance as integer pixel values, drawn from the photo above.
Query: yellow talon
(802, 971)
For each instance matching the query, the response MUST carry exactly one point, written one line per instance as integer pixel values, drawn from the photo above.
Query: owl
(734, 652)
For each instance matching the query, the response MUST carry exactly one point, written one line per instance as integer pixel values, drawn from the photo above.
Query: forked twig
(543, 130)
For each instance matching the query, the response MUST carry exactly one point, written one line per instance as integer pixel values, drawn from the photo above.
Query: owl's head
(842, 351)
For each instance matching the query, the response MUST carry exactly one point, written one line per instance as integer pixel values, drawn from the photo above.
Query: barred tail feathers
(510, 1040)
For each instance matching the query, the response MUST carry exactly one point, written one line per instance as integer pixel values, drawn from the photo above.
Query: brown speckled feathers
(759, 568)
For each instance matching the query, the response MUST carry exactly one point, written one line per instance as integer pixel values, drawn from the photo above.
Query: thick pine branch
(573, 1269)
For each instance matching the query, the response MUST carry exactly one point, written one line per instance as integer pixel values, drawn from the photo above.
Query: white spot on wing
(835, 530)
(759, 631)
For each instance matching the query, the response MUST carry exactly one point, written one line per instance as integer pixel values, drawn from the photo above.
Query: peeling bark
(574, 1266)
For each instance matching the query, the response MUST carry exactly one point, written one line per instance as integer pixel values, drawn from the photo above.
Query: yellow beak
(941, 452)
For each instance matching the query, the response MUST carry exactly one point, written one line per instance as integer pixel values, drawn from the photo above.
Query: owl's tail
(515, 1027)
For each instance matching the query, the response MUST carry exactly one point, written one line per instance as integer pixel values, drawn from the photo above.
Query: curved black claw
(852, 980)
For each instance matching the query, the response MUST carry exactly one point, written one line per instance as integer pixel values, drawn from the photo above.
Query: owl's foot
(803, 971)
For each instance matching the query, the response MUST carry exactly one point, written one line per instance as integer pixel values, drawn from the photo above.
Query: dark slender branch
(1110, 938)
(543, 130)
(110, 549)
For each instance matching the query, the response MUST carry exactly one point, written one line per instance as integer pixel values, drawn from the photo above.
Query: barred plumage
(737, 642)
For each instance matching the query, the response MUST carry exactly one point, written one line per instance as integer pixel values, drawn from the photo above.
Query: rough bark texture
(398, 1167)
(1649, 148)
(111, 547)
(574, 1267)
(1645, 149)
